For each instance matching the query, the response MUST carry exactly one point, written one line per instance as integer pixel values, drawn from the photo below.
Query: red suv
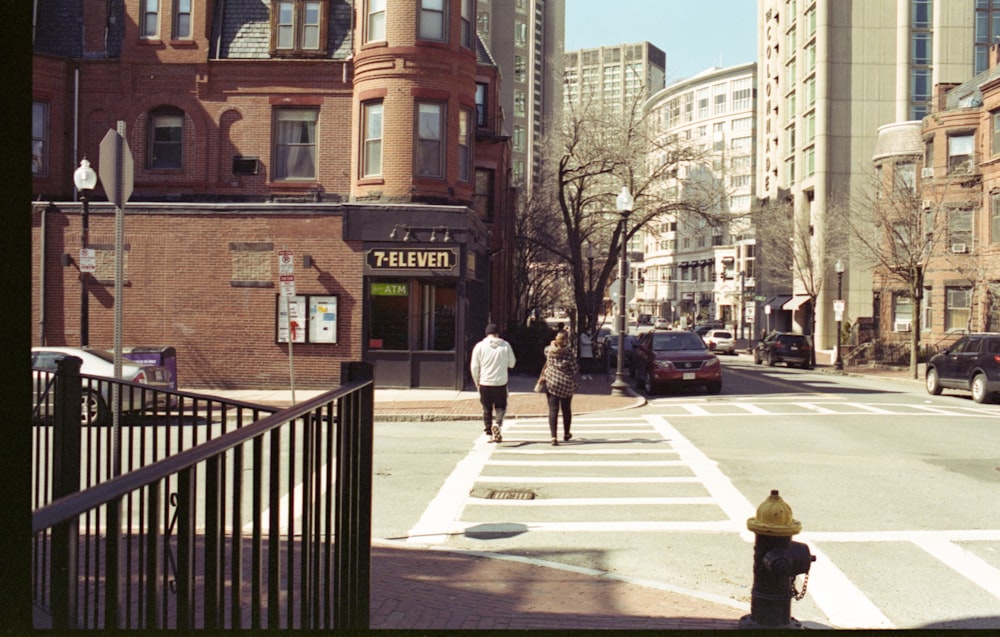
(971, 364)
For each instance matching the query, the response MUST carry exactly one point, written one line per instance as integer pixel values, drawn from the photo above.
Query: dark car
(971, 364)
(609, 349)
(784, 347)
(675, 359)
(704, 328)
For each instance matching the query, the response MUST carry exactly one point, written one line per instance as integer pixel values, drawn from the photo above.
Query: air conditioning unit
(901, 326)
(927, 173)
(959, 248)
(926, 204)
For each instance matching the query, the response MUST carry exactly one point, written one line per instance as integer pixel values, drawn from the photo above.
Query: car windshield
(676, 341)
(722, 335)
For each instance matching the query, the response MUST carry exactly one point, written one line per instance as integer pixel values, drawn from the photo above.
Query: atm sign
(390, 289)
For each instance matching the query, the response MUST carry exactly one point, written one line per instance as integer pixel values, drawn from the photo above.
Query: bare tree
(792, 253)
(599, 149)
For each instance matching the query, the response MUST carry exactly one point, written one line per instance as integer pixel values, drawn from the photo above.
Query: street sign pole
(286, 277)
(116, 174)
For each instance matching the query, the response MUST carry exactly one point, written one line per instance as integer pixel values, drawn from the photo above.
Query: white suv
(720, 341)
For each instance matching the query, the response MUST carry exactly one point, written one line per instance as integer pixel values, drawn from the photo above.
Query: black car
(784, 347)
(971, 364)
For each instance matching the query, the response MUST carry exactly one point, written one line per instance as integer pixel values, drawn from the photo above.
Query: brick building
(361, 136)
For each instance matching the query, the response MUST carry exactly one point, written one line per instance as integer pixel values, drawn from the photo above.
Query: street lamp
(839, 268)
(623, 203)
(85, 180)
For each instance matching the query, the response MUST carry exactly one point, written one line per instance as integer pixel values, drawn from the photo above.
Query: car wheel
(771, 362)
(714, 388)
(93, 408)
(933, 383)
(647, 383)
(979, 393)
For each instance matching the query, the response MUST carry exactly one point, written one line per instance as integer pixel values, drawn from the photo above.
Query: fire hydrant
(777, 561)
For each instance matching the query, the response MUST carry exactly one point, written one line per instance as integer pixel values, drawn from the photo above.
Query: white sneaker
(496, 434)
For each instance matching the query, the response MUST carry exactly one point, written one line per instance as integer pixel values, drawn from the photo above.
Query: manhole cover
(514, 494)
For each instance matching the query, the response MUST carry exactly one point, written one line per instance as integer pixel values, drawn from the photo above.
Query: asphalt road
(897, 492)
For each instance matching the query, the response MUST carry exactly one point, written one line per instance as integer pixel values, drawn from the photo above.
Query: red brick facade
(229, 84)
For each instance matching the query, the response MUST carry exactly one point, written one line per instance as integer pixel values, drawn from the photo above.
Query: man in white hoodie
(491, 358)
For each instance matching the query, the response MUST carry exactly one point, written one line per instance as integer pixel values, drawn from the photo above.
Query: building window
(995, 139)
(149, 18)
(483, 198)
(39, 138)
(520, 103)
(995, 219)
(742, 93)
(371, 162)
(297, 27)
(464, 144)
(468, 33)
(481, 106)
(376, 21)
(921, 54)
(960, 154)
(920, 92)
(518, 172)
(927, 310)
(439, 306)
(483, 22)
(902, 311)
(432, 20)
(389, 325)
(719, 91)
(702, 97)
(520, 34)
(960, 229)
(429, 159)
(906, 177)
(295, 144)
(958, 302)
(182, 19)
(518, 138)
(520, 69)
(166, 134)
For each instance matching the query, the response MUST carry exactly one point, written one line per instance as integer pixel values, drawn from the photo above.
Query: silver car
(96, 398)
(720, 341)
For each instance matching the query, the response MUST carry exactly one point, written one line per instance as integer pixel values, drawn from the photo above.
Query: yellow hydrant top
(774, 517)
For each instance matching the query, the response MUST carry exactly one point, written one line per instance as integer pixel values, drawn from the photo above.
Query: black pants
(493, 398)
(555, 403)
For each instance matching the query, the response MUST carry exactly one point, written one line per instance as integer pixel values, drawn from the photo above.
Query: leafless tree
(598, 149)
(792, 253)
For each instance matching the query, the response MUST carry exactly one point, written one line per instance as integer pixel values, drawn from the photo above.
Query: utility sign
(88, 260)
(286, 264)
(838, 310)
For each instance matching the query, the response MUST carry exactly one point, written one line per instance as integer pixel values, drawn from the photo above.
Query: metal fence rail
(265, 525)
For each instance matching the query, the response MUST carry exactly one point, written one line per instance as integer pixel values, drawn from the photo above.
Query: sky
(695, 34)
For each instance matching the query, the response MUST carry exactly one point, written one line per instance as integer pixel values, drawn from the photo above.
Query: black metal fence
(256, 520)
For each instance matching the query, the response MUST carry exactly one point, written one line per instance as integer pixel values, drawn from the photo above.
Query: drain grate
(510, 494)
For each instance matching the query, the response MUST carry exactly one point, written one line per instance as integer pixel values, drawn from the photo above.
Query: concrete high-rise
(831, 73)
(613, 75)
(526, 39)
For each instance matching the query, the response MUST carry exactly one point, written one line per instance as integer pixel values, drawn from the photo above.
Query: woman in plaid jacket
(561, 368)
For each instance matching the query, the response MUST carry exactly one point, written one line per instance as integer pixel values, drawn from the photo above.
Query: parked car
(971, 364)
(675, 359)
(96, 398)
(721, 341)
(661, 324)
(704, 328)
(784, 347)
(610, 349)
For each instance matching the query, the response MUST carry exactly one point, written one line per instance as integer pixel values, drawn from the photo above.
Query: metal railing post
(65, 480)
(352, 561)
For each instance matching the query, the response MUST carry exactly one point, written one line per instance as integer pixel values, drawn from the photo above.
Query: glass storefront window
(390, 315)
(391, 303)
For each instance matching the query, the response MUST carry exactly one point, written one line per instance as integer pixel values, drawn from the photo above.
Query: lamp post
(623, 203)
(85, 179)
(591, 302)
(839, 267)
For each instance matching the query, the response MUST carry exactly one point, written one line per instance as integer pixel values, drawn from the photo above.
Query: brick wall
(179, 289)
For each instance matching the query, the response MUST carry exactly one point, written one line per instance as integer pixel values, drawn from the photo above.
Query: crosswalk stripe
(586, 463)
(586, 480)
(593, 501)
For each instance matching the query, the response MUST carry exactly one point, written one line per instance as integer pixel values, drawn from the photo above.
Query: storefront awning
(775, 302)
(795, 303)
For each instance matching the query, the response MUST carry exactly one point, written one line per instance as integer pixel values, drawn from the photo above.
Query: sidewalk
(425, 588)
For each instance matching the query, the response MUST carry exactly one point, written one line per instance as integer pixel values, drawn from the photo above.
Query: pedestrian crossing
(623, 476)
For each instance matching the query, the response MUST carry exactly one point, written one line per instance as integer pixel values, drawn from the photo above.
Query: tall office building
(831, 73)
(526, 39)
(613, 75)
